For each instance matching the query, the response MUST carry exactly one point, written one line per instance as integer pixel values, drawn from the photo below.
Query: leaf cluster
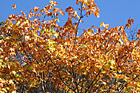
(40, 56)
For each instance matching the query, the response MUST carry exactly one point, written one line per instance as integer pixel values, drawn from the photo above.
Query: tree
(40, 56)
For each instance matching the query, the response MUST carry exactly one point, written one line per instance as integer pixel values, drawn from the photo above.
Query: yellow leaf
(103, 71)
(52, 2)
(57, 19)
(14, 92)
(3, 89)
(85, 73)
(138, 85)
(11, 82)
(18, 22)
(102, 24)
(84, 1)
(14, 72)
(97, 14)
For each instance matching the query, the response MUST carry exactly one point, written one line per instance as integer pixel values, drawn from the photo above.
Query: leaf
(52, 2)
(36, 9)
(1, 63)
(13, 6)
(23, 13)
(81, 21)
(102, 24)
(61, 12)
(14, 92)
(57, 19)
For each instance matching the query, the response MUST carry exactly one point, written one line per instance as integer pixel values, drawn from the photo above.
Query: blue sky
(113, 12)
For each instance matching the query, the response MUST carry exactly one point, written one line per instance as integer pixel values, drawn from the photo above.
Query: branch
(60, 74)
(91, 84)
(81, 16)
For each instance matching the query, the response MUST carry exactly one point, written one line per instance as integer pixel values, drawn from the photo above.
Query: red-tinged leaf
(13, 6)
(37, 28)
(36, 9)
(56, 3)
(77, 2)
(29, 15)
(93, 26)
(99, 30)
(138, 34)
(57, 14)
(42, 10)
(132, 20)
(22, 12)
(75, 23)
(69, 20)
(81, 21)
(66, 9)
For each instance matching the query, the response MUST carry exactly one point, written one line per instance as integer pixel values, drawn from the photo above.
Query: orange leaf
(22, 12)
(36, 9)
(61, 12)
(138, 34)
(81, 21)
(75, 23)
(77, 2)
(13, 6)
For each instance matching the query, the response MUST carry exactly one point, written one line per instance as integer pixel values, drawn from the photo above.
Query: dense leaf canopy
(38, 55)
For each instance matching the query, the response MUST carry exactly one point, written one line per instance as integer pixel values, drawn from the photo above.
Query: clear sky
(113, 12)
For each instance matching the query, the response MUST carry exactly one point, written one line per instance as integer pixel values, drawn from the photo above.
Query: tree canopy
(39, 55)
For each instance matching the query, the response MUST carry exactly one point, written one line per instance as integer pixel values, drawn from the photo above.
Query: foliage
(38, 55)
